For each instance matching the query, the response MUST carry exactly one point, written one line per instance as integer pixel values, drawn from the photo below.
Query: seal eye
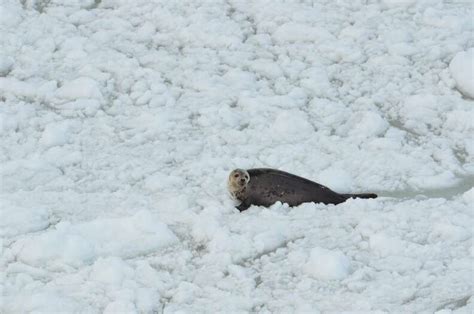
(236, 175)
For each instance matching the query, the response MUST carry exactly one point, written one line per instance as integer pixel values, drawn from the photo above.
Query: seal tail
(362, 195)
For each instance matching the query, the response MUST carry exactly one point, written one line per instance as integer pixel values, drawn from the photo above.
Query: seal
(264, 187)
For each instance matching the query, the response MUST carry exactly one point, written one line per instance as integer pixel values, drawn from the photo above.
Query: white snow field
(120, 121)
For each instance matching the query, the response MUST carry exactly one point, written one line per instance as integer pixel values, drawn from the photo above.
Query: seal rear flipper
(361, 195)
(243, 206)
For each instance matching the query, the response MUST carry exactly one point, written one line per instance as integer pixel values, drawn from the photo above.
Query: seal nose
(242, 181)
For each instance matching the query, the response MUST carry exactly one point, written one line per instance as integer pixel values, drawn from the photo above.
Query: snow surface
(120, 121)
(462, 70)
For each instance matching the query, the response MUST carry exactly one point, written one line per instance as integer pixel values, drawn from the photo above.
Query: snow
(82, 87)
(291, 125)
(326, 265)
(120, 121)
(461, 68)
(294, 32)
(57, 134)
(82, 243)
(18, 220)
(6, 65)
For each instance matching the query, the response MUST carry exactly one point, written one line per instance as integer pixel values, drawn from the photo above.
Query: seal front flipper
(243, 206)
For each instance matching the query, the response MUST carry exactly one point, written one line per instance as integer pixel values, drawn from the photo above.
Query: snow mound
(468, 196)
(6, 65)
(11, 14)
(462, 70)
(385, 245)
(120, 307)
(419, 112)
(111, 270)
(82, 87)
(45, 302)
(18, 220)
(295, 32)
(292, 125)
(83, 243)
(449, 232)
(370, 124)
(269, 240)
(57, 134)
(327, 265)
(336, 178)
(159, 182)
(391, 4)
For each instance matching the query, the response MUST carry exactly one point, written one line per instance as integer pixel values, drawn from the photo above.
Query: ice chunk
(386, 245)
(6, 65)
(336, 178)
(18, 220)
(468, 196)
(397, 3)
(449, 232)
(111, 270)
(269, 240)
(291, 125)
(295, 32)
(56, 134)
(82, 87)
(120, 307)
(14, 87)
(462, 70)
(420, 113)
(82, 243)
(369, 124)
(160, 181)
(327, 265)
(11, 14)
(43, 302)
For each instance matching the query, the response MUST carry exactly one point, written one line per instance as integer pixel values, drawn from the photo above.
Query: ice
(269, 241)
(45, 302)
(17, 88)
(397, 3)
(11, 14)
(450, 232)
(120, 306)
(369, 124)
(6, 65)
(111, 271)
(461, 68)
(294, 32)
(160, 182)
(81, 244)
(385, 245)
(120, 121)
(336, 178)
(17, 220)
(82, 87)
(291, 125)
(57, 134)
(468, 196)
(327, 265)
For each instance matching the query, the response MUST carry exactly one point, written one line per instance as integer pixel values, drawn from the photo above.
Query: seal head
(237, 183)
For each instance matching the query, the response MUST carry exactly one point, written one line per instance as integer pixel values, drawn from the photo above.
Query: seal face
(264, 187)
(237, 183)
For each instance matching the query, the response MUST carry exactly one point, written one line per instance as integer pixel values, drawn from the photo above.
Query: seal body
(265, 186)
